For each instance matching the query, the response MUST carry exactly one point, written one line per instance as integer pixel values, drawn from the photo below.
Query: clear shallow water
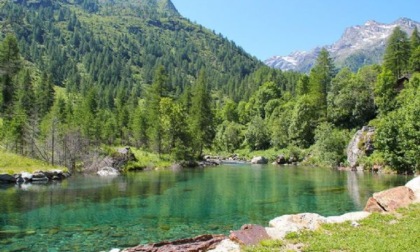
(93, 214)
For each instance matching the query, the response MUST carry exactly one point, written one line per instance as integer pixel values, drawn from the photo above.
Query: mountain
(359, 45)
(116, 45)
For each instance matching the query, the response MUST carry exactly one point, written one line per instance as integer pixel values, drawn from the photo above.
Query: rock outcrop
(360, 145)
(116, 160)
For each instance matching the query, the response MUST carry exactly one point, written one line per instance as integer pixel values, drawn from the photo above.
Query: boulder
(199, 243)
(39, 177)
(280, 160)
(390, 200)
(414, 185)
(353, 216)
(6, 178)
(259, 160)
(281, 226)
(26, 176)
(249, 235)
(108, 171)
(226, 246)
(55, 174)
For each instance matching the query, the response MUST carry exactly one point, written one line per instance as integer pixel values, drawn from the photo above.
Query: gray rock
(360, 145)
(6, 178)
(281, 226)
(259, 160)
(39, 177)
(414, 185)
(108, 171)
(226, 246)
(353, 216)
(26, 176)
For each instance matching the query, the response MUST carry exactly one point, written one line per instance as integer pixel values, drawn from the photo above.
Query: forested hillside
(80, 75)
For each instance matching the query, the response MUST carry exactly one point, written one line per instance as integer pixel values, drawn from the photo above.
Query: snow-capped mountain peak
(359, 45)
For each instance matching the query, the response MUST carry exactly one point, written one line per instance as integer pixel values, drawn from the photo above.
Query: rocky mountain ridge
(359, 45)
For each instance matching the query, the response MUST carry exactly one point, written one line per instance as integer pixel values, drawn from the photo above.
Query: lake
(90, 213)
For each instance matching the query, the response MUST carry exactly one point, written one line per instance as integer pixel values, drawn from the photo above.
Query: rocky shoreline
(36, 177)
(385, 201)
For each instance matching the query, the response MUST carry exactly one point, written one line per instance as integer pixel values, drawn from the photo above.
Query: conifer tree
(44, 94)
(397, 53)
(202, 122)
(320, 79)
(415, 39)
(157, 91)
(9, 67)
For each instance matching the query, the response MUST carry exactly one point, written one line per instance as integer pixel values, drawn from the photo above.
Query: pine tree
(10, 65)
(202, 122)
(44, 95)
(320, 78)
(397, 53)
(415, 39)
(157, 91)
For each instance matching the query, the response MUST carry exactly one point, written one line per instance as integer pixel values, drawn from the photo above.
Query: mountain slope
(359, 45)
(118, 44)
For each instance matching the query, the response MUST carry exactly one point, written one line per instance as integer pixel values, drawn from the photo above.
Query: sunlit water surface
(89, 213)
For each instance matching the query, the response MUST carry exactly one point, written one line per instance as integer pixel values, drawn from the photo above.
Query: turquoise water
(89, 213)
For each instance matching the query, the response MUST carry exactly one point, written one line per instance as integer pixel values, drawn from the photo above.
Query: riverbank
(18, 169)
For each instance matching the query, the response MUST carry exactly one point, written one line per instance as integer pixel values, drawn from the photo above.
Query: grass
(378, 232)
(12, 164)
(148, 160)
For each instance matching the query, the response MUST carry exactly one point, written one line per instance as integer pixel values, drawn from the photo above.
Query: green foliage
(257, 134)
(350, 100)
(398, 134)
(321, 76)
(229, 136)
(330, 144)
(303, 121)
(385, 91)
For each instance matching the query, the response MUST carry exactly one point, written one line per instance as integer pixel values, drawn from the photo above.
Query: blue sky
(265, 28)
